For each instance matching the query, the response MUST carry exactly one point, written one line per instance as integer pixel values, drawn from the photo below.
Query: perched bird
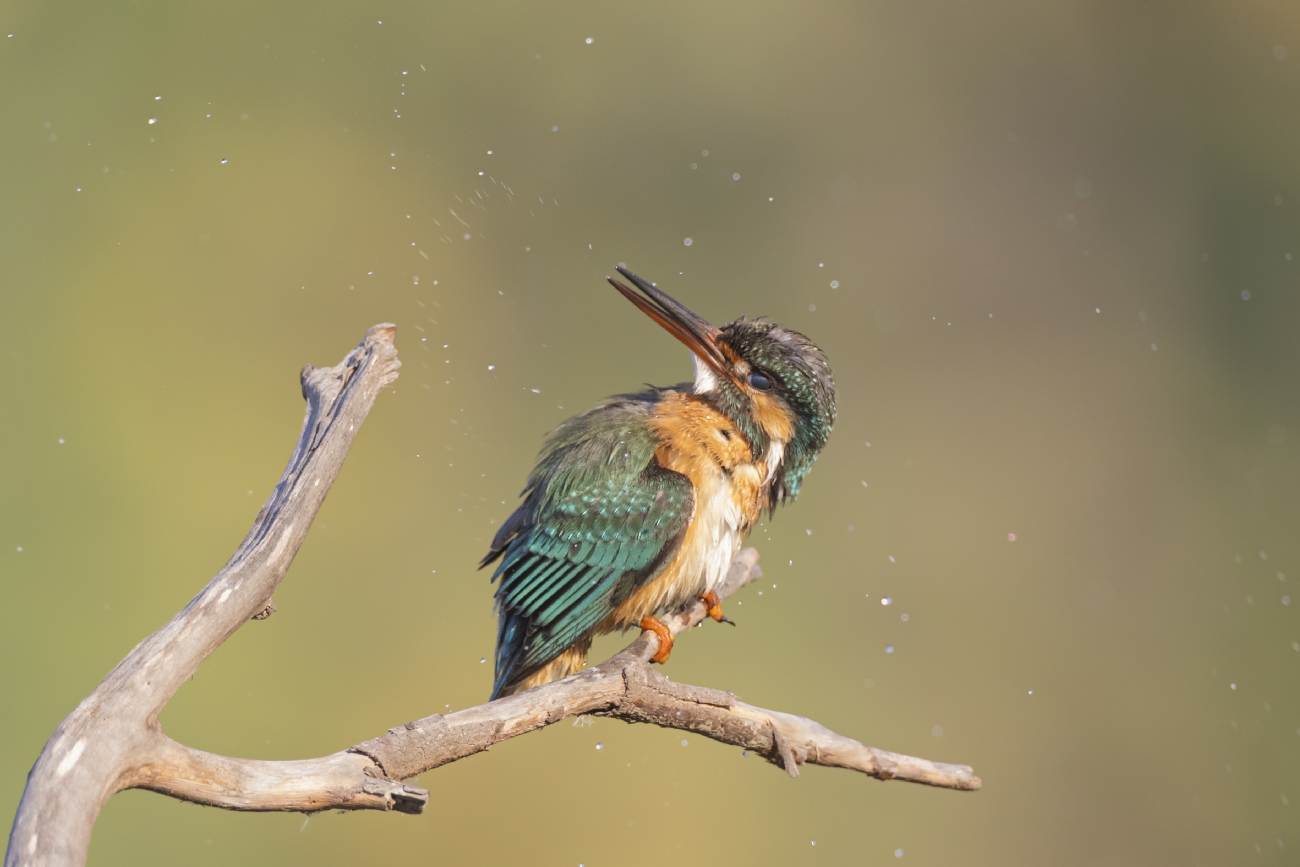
(639, 505)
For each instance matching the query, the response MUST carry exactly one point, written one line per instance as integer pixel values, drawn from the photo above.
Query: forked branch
(113, 741)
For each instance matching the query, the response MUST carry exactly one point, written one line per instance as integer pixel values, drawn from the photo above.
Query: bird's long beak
(699, 336)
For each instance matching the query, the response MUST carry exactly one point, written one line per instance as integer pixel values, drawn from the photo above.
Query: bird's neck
(707, 446)
(724, 397)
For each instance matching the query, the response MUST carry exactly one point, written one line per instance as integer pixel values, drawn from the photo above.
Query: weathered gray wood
(100, 747)
(112, 740)
(625, 687)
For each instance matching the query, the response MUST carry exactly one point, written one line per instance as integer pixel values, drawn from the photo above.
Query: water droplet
(889, 648)
(688, 242)
(735, 176)
(590, 40)
(903, 618)
(835, 284)
(600, 746)
(492, 367)
(1011, 537)
(1232, 686)
(223, 161)
(482, 660)
(61, 441)
(937, 731)
(555, 129)
(684, 741)
(1245, 294)
(898, 853)
(886, 601)
(153, 120)
(744, 754)
(20, 549)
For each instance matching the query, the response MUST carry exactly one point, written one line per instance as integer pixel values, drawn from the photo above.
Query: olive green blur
(1052, 251)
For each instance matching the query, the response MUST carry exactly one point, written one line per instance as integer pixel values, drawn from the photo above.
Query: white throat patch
(705, 379)
(775, 454)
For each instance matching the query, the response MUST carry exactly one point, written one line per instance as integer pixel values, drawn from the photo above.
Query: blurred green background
(1048, 248)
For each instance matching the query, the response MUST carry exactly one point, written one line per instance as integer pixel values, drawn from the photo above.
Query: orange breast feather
(702, 444)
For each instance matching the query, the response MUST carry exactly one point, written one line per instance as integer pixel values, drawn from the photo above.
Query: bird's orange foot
(709, 598)
(653, 624)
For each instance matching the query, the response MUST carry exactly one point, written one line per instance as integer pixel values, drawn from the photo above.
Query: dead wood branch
(626, 687)
(102, 746)
(112, 740)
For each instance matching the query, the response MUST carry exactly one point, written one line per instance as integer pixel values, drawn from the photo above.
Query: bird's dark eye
(759, 382)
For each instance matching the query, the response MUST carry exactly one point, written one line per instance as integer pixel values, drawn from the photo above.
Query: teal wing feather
(600, 518)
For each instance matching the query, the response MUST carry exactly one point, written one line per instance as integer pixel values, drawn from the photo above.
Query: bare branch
(112, 740)
(342, 781)
(99, 747)
(625, 687)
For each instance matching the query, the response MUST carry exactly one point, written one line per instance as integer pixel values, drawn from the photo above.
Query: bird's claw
(655, 625)
(714, 606)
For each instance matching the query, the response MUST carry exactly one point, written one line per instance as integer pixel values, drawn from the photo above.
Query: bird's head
(772, 382)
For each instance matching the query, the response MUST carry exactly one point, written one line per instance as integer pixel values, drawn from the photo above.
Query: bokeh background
(1048, 248)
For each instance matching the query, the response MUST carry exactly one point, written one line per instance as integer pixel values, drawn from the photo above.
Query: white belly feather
(723, 527)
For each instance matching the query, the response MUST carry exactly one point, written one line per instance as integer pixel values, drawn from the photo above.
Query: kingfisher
(639, 505)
